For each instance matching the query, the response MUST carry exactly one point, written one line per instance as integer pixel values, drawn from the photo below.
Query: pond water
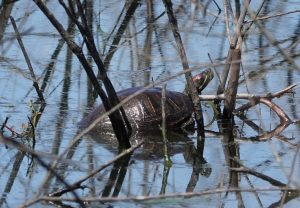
(147, 53)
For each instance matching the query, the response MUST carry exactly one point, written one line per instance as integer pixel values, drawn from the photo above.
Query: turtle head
(202, 79)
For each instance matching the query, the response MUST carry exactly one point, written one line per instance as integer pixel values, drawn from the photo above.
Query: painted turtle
(144, 110)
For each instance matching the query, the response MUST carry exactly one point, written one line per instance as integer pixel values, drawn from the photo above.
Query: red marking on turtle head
(198, 76)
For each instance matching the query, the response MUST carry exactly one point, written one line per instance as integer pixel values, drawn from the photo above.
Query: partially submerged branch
(192, 88)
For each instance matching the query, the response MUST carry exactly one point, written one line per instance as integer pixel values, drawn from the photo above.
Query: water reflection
(153, 146)
(153, 150)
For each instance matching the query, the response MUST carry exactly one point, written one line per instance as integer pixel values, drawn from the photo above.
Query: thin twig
(167, 159)
(271, 16)
(273, 42)
(233, 44)
(254, 99)
(129, 13)
(165, 196)
(226, 17)
(247, 96)
(35, 83)
(4, 124)
(245, 169)
(184, 61)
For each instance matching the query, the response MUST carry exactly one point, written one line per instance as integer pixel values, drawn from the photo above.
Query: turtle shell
(144, 111)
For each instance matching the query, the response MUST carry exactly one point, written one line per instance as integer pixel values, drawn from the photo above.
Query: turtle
(144, 111)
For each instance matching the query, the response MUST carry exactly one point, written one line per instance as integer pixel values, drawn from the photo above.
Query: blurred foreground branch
(165, 196)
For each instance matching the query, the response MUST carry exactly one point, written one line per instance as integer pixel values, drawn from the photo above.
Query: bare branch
(35, 83)
(165, 196)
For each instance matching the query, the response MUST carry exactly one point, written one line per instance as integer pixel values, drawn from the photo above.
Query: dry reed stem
(164, 126)
(165, 196)
(193, 93)
(35, 83)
